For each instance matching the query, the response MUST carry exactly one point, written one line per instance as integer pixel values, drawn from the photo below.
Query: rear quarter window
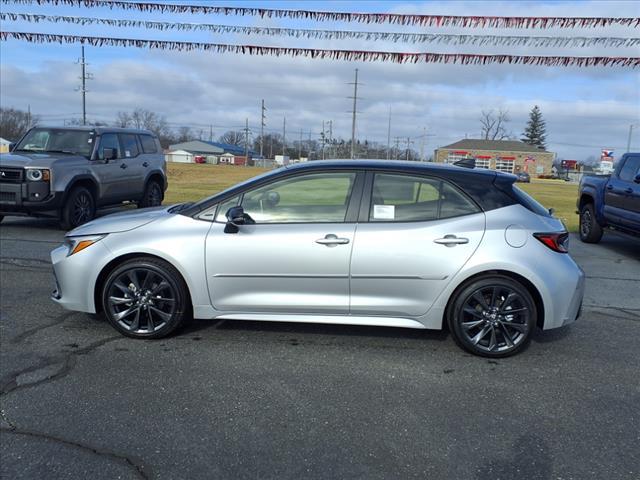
(529, 202)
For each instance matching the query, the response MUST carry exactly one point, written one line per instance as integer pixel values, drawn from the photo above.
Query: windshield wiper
(25, 150)
(62, 151)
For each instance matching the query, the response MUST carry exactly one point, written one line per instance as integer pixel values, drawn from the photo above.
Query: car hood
(42, 160)
(121, 222)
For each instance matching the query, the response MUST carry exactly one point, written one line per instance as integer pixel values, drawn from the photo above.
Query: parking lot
(268, 400)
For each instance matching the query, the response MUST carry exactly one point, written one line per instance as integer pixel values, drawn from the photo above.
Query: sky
(586, 109)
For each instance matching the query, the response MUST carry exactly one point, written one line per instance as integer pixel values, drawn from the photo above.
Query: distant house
(503, 155)
(4, 145)
(214, 152)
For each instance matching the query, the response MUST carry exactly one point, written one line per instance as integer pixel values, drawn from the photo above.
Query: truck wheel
(153, 195)
(79, 208)
(590, 229)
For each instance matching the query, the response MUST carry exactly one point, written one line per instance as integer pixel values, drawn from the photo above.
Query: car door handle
(332, 240)
(609, 187)
(123, 166)
(451, 240)
(628, 190)
(145, 164)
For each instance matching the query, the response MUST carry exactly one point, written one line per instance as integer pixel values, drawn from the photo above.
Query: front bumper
(28, 197)
(75, 276)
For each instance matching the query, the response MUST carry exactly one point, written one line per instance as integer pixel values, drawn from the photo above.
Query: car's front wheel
(590, 229)
(145, 298)
(79, 208)
(492, 316)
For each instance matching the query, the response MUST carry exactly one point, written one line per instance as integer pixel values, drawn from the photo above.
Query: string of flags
(334, 54)
(467, 21)
(413, 38)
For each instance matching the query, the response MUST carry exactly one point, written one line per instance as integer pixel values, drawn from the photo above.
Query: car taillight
(558, 242)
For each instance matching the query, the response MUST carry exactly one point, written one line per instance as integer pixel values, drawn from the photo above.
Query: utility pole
(284, 137)
(210, 133)
(424, 137)
(29, 116)
(353, 118)
(262, 125)
(322, 137)
(409, 142)
(389, 133)
(397, 149)
(83, 88)
(246, 143)
(629, 137)
(300, 146)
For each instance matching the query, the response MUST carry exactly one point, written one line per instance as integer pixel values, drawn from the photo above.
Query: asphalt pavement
(279, 400)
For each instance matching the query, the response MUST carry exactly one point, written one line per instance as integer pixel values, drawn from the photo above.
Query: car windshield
(54, 140)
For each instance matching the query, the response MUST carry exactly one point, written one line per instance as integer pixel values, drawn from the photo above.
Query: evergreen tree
(535, 131)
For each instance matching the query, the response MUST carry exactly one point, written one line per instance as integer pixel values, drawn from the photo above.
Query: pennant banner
(350, 55)
(431, 38)
(324, 16)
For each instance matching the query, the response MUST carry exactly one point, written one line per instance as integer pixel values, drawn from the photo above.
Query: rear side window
(129, 145)
(148, 144)
(404, 198)
(630, 169)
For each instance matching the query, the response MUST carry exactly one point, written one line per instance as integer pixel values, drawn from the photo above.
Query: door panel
(109, 172)
(399, 269)
(132, 171)
(279, 268)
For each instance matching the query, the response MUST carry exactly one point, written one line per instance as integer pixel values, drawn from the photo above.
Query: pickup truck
(611, 201)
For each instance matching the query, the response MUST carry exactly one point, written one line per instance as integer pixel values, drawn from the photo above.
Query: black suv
(70, 172)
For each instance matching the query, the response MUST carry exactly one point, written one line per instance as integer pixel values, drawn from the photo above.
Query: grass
(190, 182)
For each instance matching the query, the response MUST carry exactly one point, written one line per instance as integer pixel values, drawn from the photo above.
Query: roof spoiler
(466, 163)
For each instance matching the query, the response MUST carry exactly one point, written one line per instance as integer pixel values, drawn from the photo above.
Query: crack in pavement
(634, 314)
(27, 333)
(26, 263)
(67, 361)
(141, 470)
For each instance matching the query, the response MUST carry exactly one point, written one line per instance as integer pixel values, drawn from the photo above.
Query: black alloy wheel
(79, 208)
(493, 317)
(145, 298)
(153, 195)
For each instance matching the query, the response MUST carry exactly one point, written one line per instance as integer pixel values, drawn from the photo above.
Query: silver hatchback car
(360, 242)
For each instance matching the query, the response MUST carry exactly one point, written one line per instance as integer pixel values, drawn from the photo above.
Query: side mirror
(12, 145)
(235, 218)
(637, 179)
(109, 153)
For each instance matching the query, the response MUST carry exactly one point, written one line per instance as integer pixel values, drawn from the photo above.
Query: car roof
(98, 130)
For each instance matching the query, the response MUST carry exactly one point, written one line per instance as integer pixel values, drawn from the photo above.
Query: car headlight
(77, 244)
(38, 174)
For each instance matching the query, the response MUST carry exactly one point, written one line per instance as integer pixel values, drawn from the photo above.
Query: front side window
(404, 198)
(314, 198)
(129, 145)
(109, 140)
(630, 169)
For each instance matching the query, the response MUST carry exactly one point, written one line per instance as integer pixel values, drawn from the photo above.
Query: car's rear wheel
(79, 208)
(590, 229)
(153, 195)
(492, 316)
(145, 298)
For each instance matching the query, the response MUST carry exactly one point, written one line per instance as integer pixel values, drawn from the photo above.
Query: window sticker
(127, 153)
(384, 212)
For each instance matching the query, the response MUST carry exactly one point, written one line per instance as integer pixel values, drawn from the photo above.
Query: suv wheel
(492, 317)
(145, 298)
(79, 208)
(153, 195)
(590, 229)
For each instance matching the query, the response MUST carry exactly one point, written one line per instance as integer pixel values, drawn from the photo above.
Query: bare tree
(15, 123)
(184, 135)
(233, 137)
(123, 120)
(494, 125)
(147, 120)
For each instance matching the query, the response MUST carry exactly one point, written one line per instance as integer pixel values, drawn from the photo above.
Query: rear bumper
(574, 308)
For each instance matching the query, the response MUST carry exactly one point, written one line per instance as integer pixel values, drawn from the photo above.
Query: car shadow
(550, 336)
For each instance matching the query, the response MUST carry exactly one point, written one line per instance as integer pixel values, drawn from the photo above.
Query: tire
(589, 228)
(153, 195)
(158, 298)
(479, 321)
(79, 208)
